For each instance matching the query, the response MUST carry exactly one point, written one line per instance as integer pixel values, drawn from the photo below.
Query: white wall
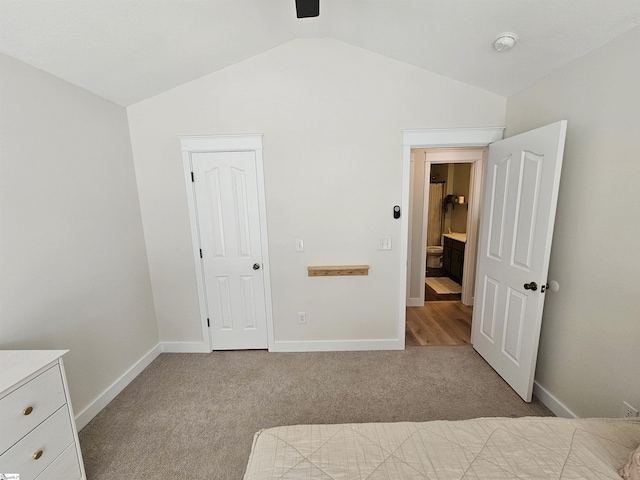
(332, 116)
(589, 356)
(73, 272)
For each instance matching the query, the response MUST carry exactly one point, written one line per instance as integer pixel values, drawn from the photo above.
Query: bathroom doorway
(446, 218)
(443, 226)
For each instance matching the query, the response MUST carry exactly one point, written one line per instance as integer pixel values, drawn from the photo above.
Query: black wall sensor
(396, 211)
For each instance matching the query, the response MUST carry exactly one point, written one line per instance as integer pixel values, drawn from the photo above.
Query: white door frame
(435, 138)
(476, 158)
(226, 143)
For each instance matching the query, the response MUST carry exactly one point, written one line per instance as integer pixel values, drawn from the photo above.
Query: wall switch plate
(299, 245)
(384, 244)
(628, 411)
(302, 317)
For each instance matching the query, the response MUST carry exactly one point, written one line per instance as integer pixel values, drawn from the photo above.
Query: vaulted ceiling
(129, 50)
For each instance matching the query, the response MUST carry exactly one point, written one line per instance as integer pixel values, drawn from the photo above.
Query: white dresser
(38, 436)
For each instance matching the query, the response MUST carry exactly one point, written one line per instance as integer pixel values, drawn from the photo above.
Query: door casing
(431, 138)
(226, 143)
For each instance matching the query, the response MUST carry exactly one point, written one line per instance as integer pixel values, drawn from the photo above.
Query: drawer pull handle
(27, 410)
(37, 455)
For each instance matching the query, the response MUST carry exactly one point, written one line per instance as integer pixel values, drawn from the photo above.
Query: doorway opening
(443, 224)
(434, 138)
(446, 217)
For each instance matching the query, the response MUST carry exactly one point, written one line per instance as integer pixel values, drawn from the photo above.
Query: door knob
(256, 266)
(533, 286)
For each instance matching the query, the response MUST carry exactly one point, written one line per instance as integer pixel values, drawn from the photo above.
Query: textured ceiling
(129, 50)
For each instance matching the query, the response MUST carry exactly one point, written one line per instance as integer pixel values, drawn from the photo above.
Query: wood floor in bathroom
(438, 324)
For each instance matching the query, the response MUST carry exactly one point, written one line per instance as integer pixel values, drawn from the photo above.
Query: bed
(485, 448)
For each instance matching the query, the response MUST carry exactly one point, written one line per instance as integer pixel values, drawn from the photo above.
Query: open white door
(518, 213)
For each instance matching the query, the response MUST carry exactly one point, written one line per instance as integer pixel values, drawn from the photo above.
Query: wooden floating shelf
(338, 271)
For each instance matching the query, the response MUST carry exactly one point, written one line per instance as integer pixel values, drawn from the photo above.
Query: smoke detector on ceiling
(505, 41)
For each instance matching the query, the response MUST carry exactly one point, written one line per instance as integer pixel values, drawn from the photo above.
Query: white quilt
(485, 448)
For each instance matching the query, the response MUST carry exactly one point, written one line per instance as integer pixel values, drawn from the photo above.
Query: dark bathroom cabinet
(453, 258)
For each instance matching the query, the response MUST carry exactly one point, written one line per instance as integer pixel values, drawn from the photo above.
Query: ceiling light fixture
(505, 41)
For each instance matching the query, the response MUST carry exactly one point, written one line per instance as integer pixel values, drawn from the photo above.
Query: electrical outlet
(628, 411)
(302, 317)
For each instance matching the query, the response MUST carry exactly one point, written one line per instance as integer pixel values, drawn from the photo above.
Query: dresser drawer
(65, 467)
(52, 437)
(44, 394)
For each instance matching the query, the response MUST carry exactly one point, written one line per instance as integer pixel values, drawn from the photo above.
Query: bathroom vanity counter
(460, 237)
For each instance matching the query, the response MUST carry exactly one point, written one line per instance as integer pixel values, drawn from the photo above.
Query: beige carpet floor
(193, 416)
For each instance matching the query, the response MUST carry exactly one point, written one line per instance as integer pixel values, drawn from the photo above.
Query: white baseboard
(415, 302)
(184, 347)
(84, 417)
(336, 345)
(558, 408)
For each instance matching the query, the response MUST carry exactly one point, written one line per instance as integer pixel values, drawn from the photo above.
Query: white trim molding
(558, 408)
(432, 138)
(451, 137)
(411, 301)
(225, 143)
(415, 301)
(221, 143)
(86, 415)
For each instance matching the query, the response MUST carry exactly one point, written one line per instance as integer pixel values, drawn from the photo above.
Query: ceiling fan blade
(307, 8)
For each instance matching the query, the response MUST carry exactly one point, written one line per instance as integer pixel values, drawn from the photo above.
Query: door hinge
(192, 179)
(200, 253)
(208, 323)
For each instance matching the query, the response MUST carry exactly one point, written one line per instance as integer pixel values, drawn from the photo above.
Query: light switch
(299, 245)
(384, 244)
